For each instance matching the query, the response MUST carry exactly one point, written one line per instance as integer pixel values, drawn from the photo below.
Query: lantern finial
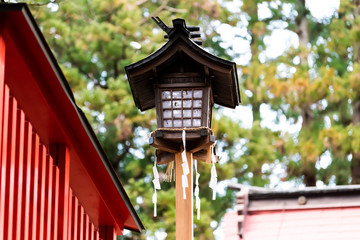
(179, 24)
(161, 24)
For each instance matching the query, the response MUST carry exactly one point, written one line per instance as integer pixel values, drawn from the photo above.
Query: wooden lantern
(183, 81)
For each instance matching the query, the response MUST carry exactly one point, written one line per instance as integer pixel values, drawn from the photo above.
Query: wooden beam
(164, 145)
(164, 157)
(200, 155)
(204, 155)
(184, 207)
(202, 143)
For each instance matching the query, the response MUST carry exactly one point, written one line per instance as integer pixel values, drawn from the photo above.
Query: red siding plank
(102, 232)
(48, 197)
(96, 235)
(69, 214)
(107, 232)
(3, 161)
(55, 203)
(91, 231)
(80, 223)
(74, 216)
(86, 226)
(25, 216)
(2, 85)
(112, 233)
(20, 174)
(10, 186)
(41, 200)
(63, 162)
(34, 186)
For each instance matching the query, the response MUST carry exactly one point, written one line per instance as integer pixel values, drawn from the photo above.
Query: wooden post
(184, 207)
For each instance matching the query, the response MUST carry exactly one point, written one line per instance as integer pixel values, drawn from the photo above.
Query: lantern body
(183, 104)
(183, 82)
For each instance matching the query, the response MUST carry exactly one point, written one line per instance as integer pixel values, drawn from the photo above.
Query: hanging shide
(169, 174)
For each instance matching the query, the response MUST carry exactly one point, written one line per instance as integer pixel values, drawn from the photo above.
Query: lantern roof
(143, 75)
(41, 89)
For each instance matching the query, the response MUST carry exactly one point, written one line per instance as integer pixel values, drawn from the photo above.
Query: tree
(342, 138)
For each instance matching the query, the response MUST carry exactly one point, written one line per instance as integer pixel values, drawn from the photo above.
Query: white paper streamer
(184, 138)
(157, 186)
(197, 198)
(154, 200)
(185, 184)
(183, 156)
(185, 166)
(213, 178)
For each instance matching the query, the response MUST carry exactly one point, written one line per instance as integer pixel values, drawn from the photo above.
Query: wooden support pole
(184, 207)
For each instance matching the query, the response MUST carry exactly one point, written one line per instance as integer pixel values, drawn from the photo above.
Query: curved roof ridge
(141, 74)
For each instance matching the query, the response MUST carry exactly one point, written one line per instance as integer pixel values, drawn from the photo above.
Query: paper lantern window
(181, 108)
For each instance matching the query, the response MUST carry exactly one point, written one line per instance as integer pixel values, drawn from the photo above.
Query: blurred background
(298, 64)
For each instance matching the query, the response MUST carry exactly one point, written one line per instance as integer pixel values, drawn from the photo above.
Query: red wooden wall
(36, 200)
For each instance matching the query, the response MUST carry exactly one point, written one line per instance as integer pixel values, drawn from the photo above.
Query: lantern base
(168, 141)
